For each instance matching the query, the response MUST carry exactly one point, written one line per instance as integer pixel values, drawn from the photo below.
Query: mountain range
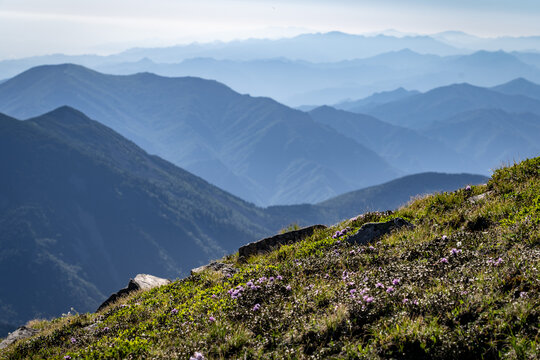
(255, 148)
(322, 69)
(83, 209)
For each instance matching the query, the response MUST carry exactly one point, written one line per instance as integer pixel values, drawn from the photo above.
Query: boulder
(267, 244)
(141, 282)
(372, 231)
(224, 269)
(21, 333)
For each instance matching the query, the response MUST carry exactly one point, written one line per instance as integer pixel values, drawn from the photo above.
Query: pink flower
(444, 260)
(379, 285)
(395, 281)
(211, 319)
(390, 289)
(197, 356)
(256, 307)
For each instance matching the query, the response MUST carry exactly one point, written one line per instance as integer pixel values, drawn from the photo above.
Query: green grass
(463, 284)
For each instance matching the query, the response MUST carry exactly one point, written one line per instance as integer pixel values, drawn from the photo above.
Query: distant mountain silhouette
(420, 111)
(363, 105)
(519, 86)
(491, 137)
(387, 196)
(403, 148)
(255, 148)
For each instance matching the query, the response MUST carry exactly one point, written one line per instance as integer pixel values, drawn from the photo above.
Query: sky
(38, 27)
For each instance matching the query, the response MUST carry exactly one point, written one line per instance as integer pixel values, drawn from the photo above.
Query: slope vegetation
(462, 284)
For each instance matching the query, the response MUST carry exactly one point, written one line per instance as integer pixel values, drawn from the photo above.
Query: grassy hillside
(462, 284)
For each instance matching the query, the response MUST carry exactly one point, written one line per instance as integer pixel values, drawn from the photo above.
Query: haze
(32, 27)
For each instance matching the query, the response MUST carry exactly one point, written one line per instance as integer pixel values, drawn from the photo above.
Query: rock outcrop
(141, 282)
(267, 244)
(21, 333)
(372, 231)
(224, 269)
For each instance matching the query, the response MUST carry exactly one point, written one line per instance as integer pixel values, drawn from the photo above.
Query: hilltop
(463, 283)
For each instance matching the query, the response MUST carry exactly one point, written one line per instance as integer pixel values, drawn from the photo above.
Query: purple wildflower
(444, 260)
(368, 298)
(249, 283)
(106, 328)
(352, 291)
(415, 302)
(372, 248)
(256, 307)
(288, 288)
(390, 289)
(67, 357)
(211, 319)
(73, 340)
(523, 294)
(279, 277)
(197, 356)
(444, 237)
(395, 281)
(468, 188)
(214, 296)
(455, 251)
(271, 279)
(405, 300)
(174, 311)
(379, 285)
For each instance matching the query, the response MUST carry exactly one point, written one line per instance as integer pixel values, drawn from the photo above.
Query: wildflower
(197, 356)
(288, 288)
(455, 251)
(444, 238)
(211, 319)
(352, 252)
(523, 294)
(352, 291)
(405, 300)
(326, 276)
(444, 260)
(458, 244)
(468, 188)
(67, 357)
(271, 279)
(395, 281)
(106, 328)
(390, 289)
(499, 261)
(214, 296)
(73, 340)
(262, 279)
(279, 277)
(174, 311)
(372, 248)
(368, 298)
(379, 285)
(249, 283)
(415, 302)
(256, 307)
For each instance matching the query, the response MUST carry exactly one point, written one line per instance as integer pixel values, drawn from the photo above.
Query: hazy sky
(32, 27)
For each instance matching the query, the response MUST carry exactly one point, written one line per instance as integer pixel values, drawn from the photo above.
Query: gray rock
(372, 231)
(267, 244)
(224, 269)
(141, 282)
(476, 198)
(21, 333)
